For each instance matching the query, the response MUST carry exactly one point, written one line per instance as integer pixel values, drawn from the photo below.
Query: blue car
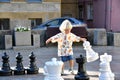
(57, 22)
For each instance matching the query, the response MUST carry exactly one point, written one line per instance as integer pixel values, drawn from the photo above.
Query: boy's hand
(83, 39)
(48, 40)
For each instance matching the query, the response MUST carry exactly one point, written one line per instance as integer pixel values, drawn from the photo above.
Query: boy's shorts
(66, 58)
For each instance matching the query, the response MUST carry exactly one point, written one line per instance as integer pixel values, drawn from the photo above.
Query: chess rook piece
(81, 74)
(19, 70)
(105, 70)
(5, 70)
(32, 67)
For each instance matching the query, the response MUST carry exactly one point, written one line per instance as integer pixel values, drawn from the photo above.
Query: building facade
(27, 12)
(109, 12)
(34, 12)
(100, 14)
(86, 11)
(69, 8)
(96, 13)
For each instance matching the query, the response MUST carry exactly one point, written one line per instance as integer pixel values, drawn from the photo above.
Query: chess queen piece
(105, 70)
(91, 55)
(32, 67)
(81, 74)
(19, 70)
(5, 70)
(53, 70)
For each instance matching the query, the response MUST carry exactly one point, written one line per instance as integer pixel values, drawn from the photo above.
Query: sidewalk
(46, 53)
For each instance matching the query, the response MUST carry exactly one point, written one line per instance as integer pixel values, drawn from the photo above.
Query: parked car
(57, 22)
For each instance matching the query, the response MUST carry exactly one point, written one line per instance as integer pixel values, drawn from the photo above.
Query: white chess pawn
(105, 70)
(91, 55)
(53, 70)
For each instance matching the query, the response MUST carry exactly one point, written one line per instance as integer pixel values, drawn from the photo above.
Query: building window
(35, 22)
(81, 12)
(34, 0)
(4, 0)
(4, 24)
(89, 11)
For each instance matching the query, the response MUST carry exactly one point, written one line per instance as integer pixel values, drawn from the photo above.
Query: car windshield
(75, 21)
(53, 23)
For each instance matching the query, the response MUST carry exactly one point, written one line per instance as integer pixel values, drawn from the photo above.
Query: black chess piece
(5, 70)
(19, 70)
(32, 67)
(81, 74)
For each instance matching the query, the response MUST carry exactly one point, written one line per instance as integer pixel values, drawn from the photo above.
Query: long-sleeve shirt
(65, 42)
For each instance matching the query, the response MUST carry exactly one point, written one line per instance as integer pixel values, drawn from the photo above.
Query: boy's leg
(63, 59)
(71, 63)
(62, 69)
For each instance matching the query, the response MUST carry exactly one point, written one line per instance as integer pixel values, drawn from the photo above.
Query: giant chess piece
(19, 70)
(81, 74)
(32, 67)
(52, 70)
(5, 70)
(91, 55)
(105, 70)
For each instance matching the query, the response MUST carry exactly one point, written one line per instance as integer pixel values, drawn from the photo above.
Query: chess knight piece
(81, 74)
(32, 67)
(91, 55)
(5, 70)
(105, 70)
(53, 70)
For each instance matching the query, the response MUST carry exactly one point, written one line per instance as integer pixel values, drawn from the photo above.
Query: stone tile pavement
(44, 54)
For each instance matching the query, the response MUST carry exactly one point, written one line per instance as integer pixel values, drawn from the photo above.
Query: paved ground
(46, 53)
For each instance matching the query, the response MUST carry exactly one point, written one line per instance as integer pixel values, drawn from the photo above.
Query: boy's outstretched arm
(83, 39)
(48, 40)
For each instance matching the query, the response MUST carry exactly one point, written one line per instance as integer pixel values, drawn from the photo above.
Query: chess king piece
(105, 70)
(19, 70)
(32, 67)
(5, 70)
(81, 74)
(91, 55)
(53, 70)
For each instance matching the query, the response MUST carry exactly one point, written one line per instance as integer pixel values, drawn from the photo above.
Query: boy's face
(67, 31)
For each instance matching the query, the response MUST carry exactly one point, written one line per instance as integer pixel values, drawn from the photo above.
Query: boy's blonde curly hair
(66, 24)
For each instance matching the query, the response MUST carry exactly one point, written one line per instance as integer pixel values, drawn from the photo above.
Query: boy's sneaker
(71, 71)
